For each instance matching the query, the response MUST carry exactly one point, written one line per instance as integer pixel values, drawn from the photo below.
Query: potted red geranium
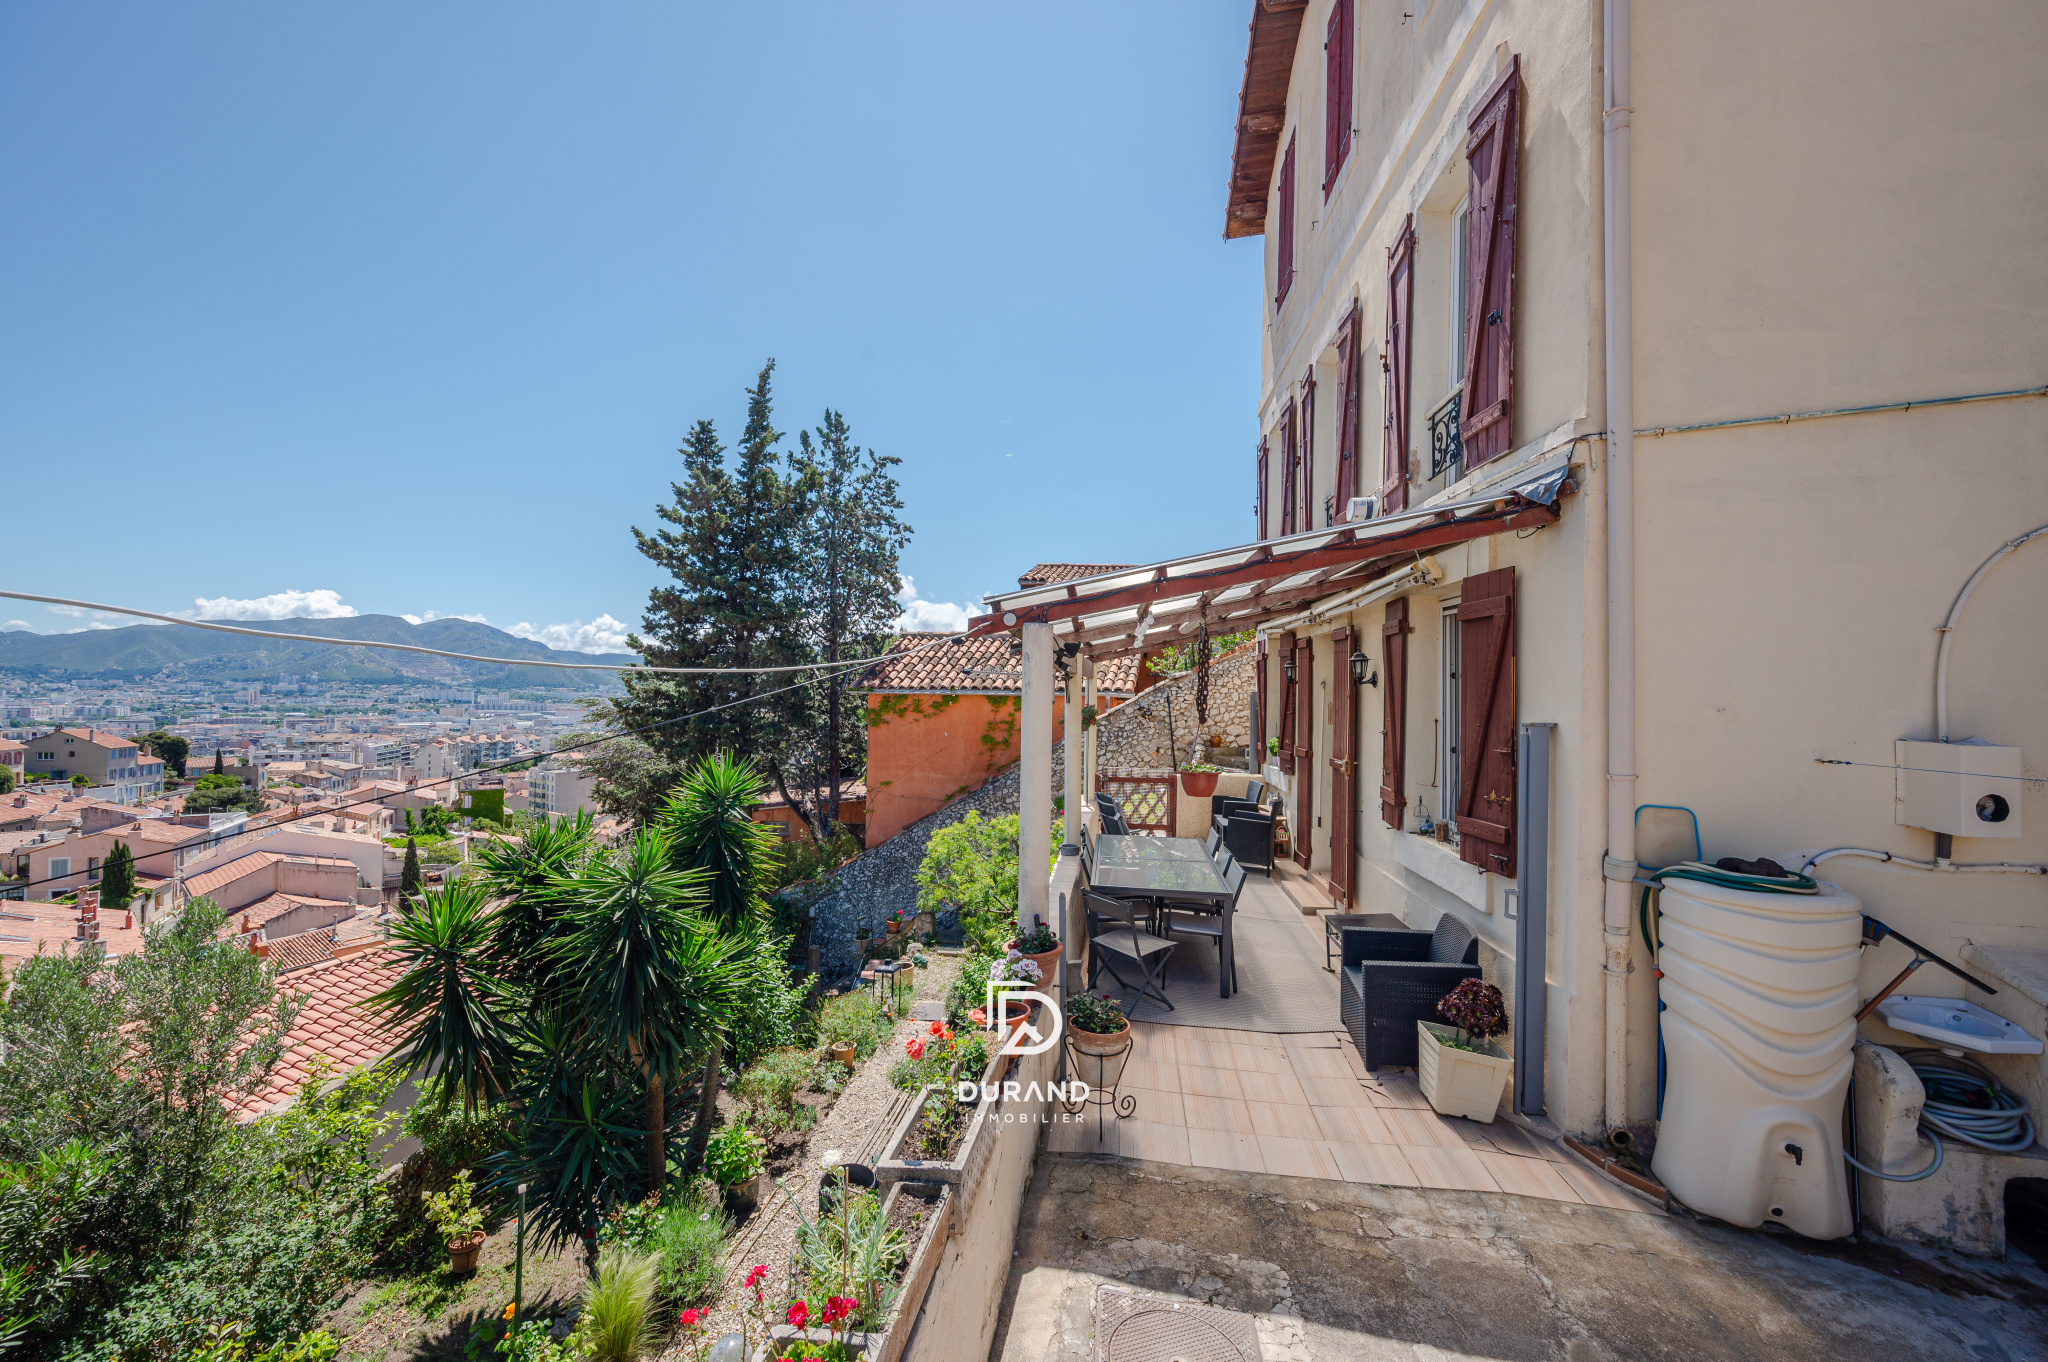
(1198, 779)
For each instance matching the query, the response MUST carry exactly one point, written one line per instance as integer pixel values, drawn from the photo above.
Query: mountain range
(145, 651)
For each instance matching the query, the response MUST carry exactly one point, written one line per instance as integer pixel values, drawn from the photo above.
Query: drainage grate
(1134, 1328)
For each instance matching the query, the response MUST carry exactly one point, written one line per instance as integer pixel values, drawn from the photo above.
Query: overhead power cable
(460, 657)
(322, 811)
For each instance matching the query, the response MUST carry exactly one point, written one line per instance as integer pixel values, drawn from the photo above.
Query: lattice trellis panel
(1147, 799)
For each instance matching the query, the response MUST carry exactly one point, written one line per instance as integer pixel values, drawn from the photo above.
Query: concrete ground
(1359, 1273)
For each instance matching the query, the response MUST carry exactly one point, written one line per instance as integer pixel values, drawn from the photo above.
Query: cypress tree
(851, 576)
(733, 550)
(117, 877)
(409, 877)
(217, 768)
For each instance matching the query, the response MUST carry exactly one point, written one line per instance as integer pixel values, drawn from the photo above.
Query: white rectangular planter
(1459, 1082)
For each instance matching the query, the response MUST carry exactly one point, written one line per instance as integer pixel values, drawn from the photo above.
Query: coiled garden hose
(1964, 1102)
(1706, 874)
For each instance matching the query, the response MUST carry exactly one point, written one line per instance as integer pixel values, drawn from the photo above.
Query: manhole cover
(1134, 1328)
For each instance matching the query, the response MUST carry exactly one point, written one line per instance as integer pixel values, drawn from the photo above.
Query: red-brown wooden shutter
(1285, 731)
(1304, 746)
(1486, 724)
(1343, 770)
(1284, 262)
(1395, 366)
(1259, 501)
(1337, 45)
(1308, 449)
(1347, 413)
(1486, 416)
(1290, 462)
(1394, 710)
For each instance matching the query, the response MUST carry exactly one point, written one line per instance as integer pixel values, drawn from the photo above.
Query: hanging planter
(1198, 781)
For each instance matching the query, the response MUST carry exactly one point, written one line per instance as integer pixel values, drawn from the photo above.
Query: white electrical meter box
(1966, 789)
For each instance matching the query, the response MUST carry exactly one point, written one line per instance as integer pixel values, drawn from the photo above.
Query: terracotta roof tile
(301, 950)
(982, 664)
(333, 1023)
(1045, 574)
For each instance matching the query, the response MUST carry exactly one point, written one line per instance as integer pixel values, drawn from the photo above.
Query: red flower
(978, 1016)
(946, 1034)
(838, 1308)
(758, 1271)
(799, 1315)
(914, 1047)
(690, 1318)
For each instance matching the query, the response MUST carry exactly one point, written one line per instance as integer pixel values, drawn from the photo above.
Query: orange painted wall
(926, 750)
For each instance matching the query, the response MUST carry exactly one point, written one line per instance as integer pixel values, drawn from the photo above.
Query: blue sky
(404, 308)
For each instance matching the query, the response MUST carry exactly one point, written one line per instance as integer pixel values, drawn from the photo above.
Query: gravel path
(858, 1125)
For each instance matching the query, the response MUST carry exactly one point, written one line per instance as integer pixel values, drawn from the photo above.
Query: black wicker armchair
(1253, 800)
(1248, 836)
(1391, 980)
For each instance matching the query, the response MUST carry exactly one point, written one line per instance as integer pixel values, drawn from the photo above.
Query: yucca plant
(451, 1002)
(651, 979)
(710, 821)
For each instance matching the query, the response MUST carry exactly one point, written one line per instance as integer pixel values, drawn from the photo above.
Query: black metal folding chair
(1215, 923)
(1115, 936)
(1212, 841)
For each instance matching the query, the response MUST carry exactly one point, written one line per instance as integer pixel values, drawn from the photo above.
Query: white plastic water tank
(1760, 992)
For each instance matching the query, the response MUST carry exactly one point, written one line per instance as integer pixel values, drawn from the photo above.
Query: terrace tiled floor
(1303, 1105)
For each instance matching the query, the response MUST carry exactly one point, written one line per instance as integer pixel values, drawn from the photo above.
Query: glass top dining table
(1179, 867)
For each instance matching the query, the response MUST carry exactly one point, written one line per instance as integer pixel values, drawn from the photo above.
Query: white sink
(1951, 1021)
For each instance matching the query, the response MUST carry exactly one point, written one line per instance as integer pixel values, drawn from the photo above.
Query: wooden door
(1343, 771)
(1304, 746)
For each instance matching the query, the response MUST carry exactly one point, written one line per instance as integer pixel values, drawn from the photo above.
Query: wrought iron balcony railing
(1446, 449)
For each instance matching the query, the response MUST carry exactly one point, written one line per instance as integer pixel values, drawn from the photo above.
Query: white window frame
(60, 868)
(1459, 255)
(1452, 701)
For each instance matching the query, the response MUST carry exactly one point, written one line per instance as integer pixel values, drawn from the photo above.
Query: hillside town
(1490, 826)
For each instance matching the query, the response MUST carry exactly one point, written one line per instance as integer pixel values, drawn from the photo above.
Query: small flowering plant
(1014, 968)
(1477, 1010)
(1037, 941)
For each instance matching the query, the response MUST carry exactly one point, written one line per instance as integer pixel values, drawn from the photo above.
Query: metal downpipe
(1619, 869)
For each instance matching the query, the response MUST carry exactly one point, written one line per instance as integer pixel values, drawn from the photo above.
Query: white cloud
(602, 635)
(923, 616)
(437, 615)
(94, 619)
(281, 605)
(12, 625)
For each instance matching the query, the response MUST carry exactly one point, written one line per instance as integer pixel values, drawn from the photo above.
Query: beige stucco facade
(1834, 205)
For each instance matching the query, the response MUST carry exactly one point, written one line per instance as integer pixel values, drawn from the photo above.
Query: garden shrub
(856, 1019)
(769, 1088)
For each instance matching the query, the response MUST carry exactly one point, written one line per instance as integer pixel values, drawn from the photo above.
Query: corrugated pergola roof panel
(1235, 588)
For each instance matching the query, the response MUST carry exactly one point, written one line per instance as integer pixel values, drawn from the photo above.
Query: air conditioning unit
(1362, 508)
(1965, 789)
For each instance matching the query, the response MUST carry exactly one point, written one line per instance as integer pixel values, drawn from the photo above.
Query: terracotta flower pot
(462, 1252)
(845, 1054)
(1015, 1013)
(1048, 963)
(1099, 1042)
(1198, 784)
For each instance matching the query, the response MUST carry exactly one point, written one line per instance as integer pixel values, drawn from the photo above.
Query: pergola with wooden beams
(1235, 589)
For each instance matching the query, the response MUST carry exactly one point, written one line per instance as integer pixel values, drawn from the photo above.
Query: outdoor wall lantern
(1361, 669)
(1288, 665)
